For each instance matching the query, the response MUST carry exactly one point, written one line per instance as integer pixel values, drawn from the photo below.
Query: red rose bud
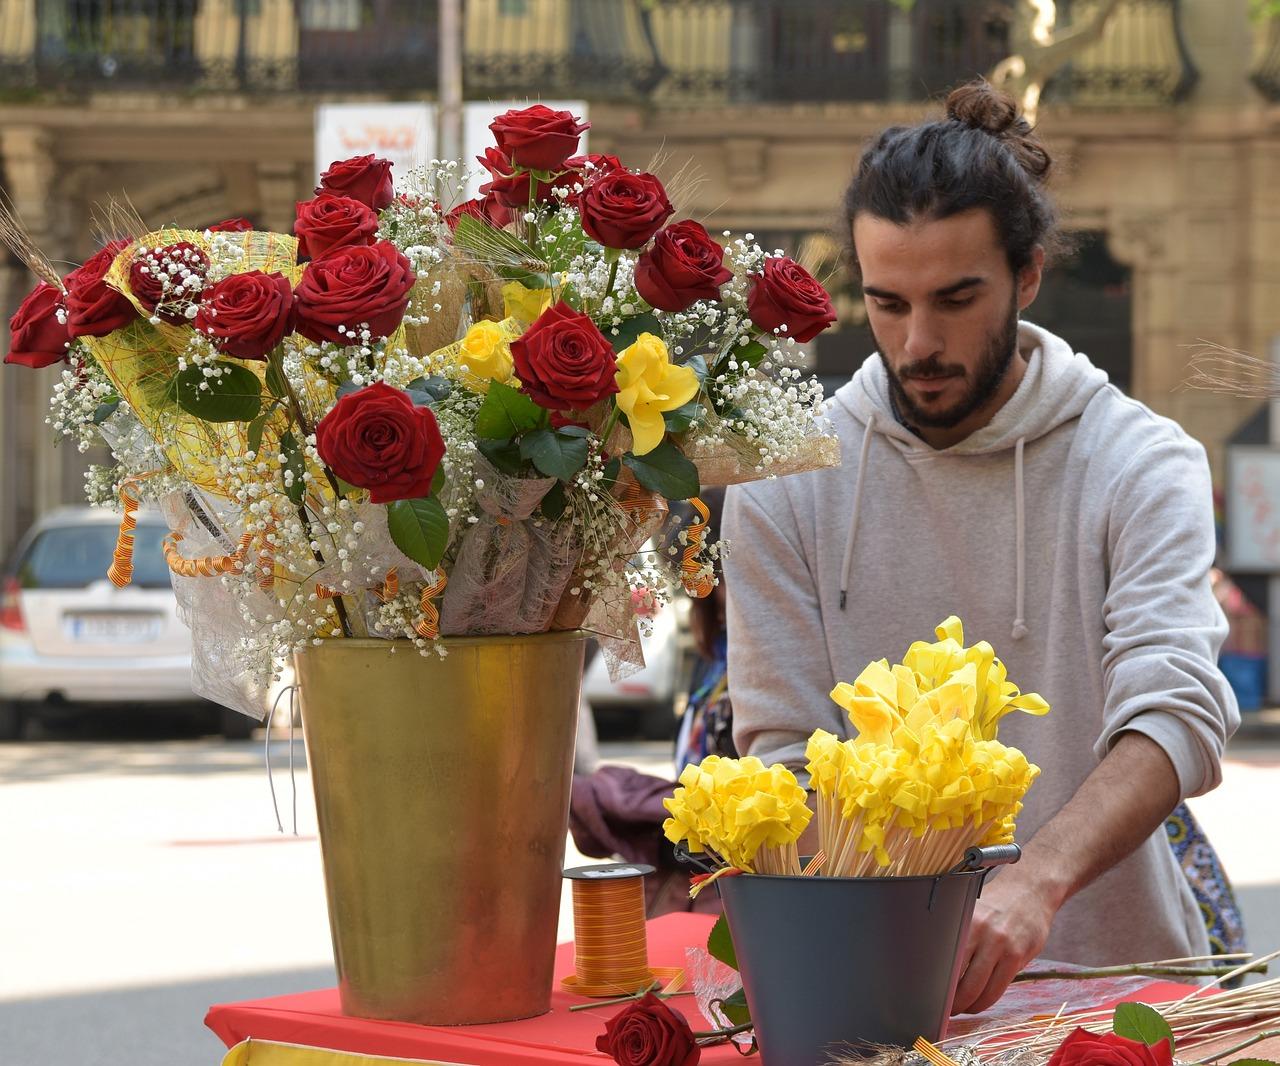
(167, 281)
(623, 210)
(94, 309)
(231, 225)
(683, 265)
(649, 1033)
(485, 208)
(351, 287)
(331, 221)
(246, 315)
(1083, 1048)
(600, 163)
(563, 361)
(37, 337)
(788, 295)
(363, 178)
(377, 439)
(537, 138)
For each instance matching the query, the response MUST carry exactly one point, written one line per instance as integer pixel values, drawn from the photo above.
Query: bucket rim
(370, 643)
(859, 880)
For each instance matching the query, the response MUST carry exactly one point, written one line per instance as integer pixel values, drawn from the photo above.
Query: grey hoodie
(1074, 533)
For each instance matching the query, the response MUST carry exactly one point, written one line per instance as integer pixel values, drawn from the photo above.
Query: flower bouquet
(910, 814)
(419, 421)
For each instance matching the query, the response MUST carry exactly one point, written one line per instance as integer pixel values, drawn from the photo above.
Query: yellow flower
(524, 305)
(485, 355)
(648, 385)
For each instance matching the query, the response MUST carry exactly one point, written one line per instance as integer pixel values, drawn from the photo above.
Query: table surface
(315, 1019)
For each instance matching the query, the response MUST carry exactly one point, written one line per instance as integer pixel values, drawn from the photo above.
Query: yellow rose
(648, 386)
(485, 354)
(522, 304)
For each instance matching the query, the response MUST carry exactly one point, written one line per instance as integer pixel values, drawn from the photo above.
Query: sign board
(476, 136)
(403, 133)
(1253, 508)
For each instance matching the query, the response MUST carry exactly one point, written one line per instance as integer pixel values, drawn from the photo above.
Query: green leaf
(277, 383)
(1254, 1062)
(105, 410)
(506, 412)
(255, 431)
(1138, 1021)
(558, 455)
(746, 354)
(503, 454)
(420, 529)
(631, 328)
(698, 365)
(682, 417)
(437, 480)
(611, 471)
(294, 461)
(345, 487)
(665, 471)
(735, 1007)
(235, 396)
(426, 392)
(553, 503)
(720, 943)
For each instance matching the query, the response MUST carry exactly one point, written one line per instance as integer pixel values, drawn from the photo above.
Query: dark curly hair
(984, 154)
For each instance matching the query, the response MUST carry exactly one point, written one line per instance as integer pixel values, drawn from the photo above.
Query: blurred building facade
(195, 110)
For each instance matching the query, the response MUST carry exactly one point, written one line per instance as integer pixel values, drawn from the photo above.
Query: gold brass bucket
(442, 795)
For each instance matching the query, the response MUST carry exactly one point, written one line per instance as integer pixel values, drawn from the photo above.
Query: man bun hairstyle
(983, 154)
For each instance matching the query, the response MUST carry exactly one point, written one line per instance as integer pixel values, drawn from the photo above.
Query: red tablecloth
(315, 1019)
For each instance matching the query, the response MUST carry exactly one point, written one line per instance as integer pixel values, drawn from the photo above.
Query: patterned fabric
(1208, 881)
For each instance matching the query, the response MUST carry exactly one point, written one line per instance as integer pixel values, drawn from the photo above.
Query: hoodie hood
(1057, 387)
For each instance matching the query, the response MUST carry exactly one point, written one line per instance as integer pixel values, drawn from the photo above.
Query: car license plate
(114, 628)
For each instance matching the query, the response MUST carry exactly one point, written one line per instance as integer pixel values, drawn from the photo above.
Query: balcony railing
(665, 52)
(1266, 70)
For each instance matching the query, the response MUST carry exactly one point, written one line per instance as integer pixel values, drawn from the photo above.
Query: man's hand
(1010, 926)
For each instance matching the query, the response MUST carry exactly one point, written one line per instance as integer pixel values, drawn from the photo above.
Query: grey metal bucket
(834, 964)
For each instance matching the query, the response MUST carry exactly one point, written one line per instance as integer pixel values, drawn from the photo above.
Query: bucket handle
(684, 855)
(980, 859)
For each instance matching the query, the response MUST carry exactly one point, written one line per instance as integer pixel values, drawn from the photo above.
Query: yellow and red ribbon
(428, 624)
(698, 580)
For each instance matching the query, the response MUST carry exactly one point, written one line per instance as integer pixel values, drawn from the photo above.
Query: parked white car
(69, 637)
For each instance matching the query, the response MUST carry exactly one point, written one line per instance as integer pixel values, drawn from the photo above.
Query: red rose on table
(350, 287)
(485, 208)
(37, 338)
(363, 178)
(786, 294)
(377, 439)
(649, 1033)
(94, 309)
(563, 360)
(246, 315)
(683, 265)
(332, 221)
(623, 210)
(1083, 1048)
(167, 281)
(536, 137)
(231, 225)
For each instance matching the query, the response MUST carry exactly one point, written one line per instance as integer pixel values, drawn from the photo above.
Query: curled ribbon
(209, 565)
(267, 561)
(697, 579)
(120, 572)
(428, 625)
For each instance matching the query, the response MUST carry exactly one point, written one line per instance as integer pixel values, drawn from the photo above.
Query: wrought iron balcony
(668, 53)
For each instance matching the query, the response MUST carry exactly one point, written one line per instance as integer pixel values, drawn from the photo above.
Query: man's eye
(957, 301)
(892, 307)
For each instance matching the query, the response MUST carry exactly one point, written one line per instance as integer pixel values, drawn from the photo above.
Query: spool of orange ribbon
(611, 953)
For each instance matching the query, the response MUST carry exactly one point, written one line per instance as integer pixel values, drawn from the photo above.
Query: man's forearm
(1126, 799)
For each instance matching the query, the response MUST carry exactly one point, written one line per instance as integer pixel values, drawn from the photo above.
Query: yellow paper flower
(648, 386)
(522, 304)
(485, 356)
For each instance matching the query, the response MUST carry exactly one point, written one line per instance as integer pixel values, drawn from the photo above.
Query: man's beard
(987, 376)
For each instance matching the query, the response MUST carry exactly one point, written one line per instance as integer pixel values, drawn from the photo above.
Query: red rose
(485, 208)
(623, 210)
(600, 163)
(377, 439)
(231, 225)
(683, 265)
(536, 137)
(331, 221)
(246, 315)
(167, 281)
(93, 308)
(37, 337)
(788, 295)
(649, 1033)
(1083, 1048)
(368, 285)
(363, 178)
(510, 187)
(563, 360)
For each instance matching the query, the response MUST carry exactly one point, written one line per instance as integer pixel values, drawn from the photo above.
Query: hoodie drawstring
(1019, 621)
(857, 506)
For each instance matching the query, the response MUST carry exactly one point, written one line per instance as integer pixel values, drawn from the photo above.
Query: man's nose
(924, 335)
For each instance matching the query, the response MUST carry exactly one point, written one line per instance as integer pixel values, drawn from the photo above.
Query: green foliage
(420, 529)
(666, 471)
(234, 396)
(506, 412)
(557, 454)
(1138, 1021)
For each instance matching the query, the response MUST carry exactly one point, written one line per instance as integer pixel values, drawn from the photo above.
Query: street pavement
(143, 879)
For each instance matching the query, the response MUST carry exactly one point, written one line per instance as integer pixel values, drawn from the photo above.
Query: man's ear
(1029, 279)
